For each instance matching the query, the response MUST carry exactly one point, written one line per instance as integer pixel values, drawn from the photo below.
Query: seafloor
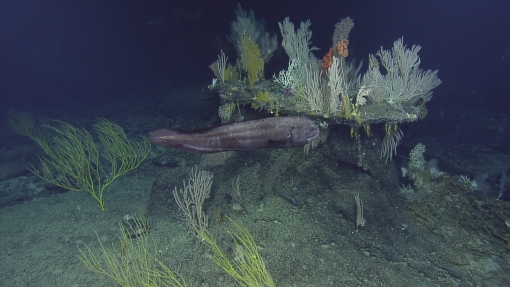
(453, 237)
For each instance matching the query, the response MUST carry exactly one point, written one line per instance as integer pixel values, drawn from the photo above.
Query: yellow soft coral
(253, 64)
(231, 73)
(262, 96)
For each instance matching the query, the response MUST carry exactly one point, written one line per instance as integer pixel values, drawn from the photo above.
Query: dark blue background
(68, 52)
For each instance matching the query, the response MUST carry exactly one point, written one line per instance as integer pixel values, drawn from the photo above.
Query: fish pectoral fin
(278, 142)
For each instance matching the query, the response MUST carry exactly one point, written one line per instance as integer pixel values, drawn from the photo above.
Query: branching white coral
(404, 81)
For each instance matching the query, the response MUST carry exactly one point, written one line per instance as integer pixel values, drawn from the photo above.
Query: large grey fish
(276, 132)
